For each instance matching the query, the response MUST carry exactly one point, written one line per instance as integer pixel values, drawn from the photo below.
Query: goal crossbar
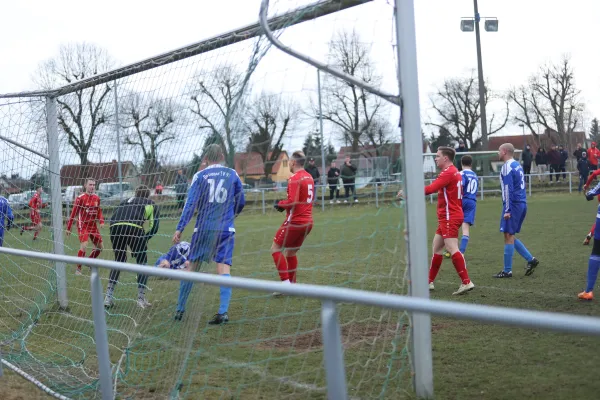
(304, 14)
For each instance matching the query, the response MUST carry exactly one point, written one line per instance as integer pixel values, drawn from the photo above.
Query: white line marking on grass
(265, 375)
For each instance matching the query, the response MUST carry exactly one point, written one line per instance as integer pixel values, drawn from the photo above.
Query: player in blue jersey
(470, 185)
(216, 193)
(594, 260)
(514, 209)
(6, 216)
(175, 258)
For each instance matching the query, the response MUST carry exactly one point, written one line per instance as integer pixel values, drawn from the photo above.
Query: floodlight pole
(484, 132)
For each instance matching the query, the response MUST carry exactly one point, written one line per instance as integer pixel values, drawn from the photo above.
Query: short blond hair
(299, 158)
(508, 147)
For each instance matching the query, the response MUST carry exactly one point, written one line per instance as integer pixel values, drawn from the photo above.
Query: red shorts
(448, 229)
(292, 236)
(90, 233)
(35, 216)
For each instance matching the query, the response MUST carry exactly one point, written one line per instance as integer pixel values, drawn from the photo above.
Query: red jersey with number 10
(448, 186)
(301, 195)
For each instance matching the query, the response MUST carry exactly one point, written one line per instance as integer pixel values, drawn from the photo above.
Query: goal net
(150, 125)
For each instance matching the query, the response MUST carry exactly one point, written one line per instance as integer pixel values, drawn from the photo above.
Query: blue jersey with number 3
(470, 184)
(512, 179)
(216, 193)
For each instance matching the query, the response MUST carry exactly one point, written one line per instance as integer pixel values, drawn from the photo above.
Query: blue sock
(509, 251)
(184, 292)
(593, 267)
(463, 244)
(522, 250)
(225, 297)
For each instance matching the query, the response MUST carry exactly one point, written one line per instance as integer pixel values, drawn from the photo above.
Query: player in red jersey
(87, 210)
(298, 222)
(589, 181)
(35, 204)
(448, 186)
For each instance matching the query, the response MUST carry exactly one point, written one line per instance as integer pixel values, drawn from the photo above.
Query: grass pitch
(272, 347)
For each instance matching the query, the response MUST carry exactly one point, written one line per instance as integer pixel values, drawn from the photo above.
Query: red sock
(35, 235)
(80, 253)
(281, 264)
(292, 263)
(436, 263)
(461, 267)
(95, 253)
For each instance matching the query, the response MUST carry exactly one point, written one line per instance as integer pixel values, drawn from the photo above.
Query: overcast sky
(530, 33)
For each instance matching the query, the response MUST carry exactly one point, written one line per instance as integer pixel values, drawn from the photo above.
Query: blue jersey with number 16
(470, 184)
(512, 179)
(216, 192)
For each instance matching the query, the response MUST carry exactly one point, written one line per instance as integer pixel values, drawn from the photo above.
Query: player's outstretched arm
(441, 181)
(74, 212)
(100, 214)
(593, 192)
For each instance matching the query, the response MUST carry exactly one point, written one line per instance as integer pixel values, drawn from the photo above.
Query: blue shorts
(517, 216)
(210, 246)
(469, 208)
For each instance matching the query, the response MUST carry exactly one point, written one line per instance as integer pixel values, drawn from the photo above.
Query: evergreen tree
(595, 130)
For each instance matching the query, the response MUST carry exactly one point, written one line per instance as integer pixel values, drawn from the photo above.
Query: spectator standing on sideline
(554, 158)
(527, 158)
(158, 189)
(348, 173)
(578, 151)
(541, 161)
(333, 176)
(564, 156)
(181, 187)
(460, 149)
(592, 154)
(312, 169)
(584, 170)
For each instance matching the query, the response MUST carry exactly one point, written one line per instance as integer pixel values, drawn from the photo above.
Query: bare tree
(350, 108)
(550, 100)
(456, 104)
(377, 136)
(270, 119)
(216, 95)
(150, 122)
(82, 112)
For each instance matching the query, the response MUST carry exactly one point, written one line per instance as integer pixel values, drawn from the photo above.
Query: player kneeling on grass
(594, 260)
(176, 257)
(216, 193)
(127, 230)
(448, 186)
(88, 212)
(298, 222)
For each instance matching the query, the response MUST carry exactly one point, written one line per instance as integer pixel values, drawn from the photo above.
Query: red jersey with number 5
(448, 186)
(301, 195)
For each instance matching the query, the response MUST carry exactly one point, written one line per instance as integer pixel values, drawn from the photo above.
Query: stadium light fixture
(491, 24)
(467, 25)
